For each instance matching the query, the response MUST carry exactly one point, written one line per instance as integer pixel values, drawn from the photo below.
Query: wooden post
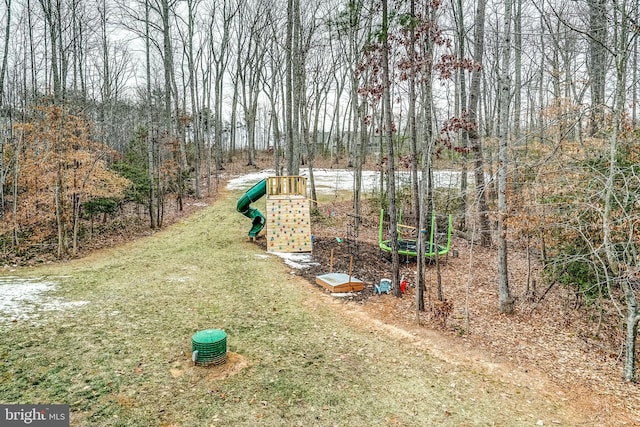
(350, 266)
(331, 262)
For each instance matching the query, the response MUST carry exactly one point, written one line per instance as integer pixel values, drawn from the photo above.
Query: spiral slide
(253, 194)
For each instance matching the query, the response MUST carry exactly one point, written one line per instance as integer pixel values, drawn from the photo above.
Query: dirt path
(581, 407)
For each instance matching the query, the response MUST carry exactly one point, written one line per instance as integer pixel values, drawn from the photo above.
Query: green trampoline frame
(408, 247)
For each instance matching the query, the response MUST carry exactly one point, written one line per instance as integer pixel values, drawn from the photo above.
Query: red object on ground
(403, 285)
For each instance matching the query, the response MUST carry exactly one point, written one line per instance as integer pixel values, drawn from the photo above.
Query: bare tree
(3, 72)
(505, 299)
(52, 11)
(273, 80)
(291, 151)
(475, 142)
(427, 150)
(612, 202)
(222, 17)
(461, 111)
(5, 50)
(597, 60)
(389, 127)
(188, 41)
(250, 62)
(153, 200)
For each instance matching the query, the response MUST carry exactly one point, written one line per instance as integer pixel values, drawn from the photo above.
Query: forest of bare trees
(104, 102)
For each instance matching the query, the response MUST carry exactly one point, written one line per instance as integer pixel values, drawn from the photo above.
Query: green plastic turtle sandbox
(209, 347)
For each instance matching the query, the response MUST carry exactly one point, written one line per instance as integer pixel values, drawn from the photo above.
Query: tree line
(108, 101)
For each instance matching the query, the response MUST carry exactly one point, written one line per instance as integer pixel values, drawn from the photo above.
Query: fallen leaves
(545, 341)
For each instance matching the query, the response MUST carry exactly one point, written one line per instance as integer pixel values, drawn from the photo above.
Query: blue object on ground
(384, 286)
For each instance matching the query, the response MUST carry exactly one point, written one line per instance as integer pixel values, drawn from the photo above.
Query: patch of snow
(328, 181)
(245, 181)
(25, 298)
(299, 261)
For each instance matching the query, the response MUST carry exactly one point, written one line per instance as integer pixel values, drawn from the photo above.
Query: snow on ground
(298, 261)
(331, 180)
(26, 299)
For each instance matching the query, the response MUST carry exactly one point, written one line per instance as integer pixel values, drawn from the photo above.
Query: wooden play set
(288, 223)
(288, 216)
(288, 219)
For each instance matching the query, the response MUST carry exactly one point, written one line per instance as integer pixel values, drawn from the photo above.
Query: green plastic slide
(254, 193)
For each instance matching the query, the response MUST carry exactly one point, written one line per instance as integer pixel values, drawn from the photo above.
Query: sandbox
(340, 282)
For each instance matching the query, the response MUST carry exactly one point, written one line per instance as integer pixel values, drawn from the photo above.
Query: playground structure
(287, 219)
(408, 242)
(252, 195)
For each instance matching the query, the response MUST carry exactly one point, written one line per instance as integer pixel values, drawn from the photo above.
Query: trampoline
(408, 246)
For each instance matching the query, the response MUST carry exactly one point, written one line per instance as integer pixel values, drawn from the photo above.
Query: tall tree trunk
(52, 22)
(5, 52)
(288, 110)
(32, 50)
(461, 101)
(167, 63)
(411, 117)
(413, 135)
(297, 64)
(634, 71)
(358, 105)
(14, 187)
(52, 16)
(150, 151)
(217, 112)
(597, 60)
(388, 135)
(505, 299)
(631, 339)
(195, 116)
(475, 142)
(336, 123)
(621, 38)
(312, 150)
(3, 72)
(106, 86)
(517, 96)
(274, 120)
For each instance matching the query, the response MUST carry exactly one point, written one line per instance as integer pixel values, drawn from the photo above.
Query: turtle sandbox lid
(340, 282)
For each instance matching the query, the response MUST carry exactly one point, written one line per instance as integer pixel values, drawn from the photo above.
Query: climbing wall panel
(288, 224)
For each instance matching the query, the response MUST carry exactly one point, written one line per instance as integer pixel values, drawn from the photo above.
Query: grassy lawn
(124, 359)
